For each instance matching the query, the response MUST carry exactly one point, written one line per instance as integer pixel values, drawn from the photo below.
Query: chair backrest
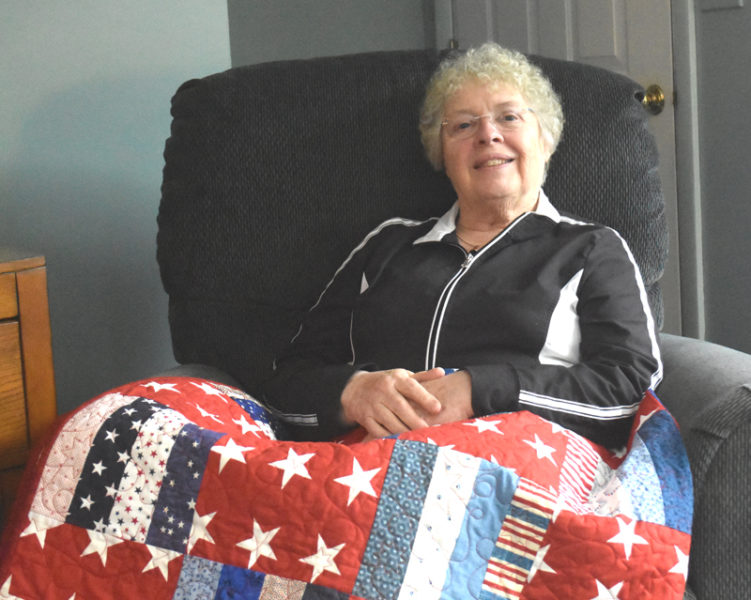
(273, 172)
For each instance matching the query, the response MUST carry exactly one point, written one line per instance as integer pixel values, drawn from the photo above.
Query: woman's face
(493, 164)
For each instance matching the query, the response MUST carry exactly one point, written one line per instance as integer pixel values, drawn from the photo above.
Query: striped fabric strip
(578, 474)
(521, 537)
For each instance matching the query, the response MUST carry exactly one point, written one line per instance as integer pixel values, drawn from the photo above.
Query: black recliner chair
(274, 172)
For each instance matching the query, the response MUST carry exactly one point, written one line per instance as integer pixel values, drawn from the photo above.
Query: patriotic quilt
(180, 488)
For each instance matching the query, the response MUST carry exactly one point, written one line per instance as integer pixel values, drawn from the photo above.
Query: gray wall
(264, 30)
(724, 44)
(84, 89)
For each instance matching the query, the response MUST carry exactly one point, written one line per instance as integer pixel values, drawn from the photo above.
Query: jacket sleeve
(305, 389)
(618, 355)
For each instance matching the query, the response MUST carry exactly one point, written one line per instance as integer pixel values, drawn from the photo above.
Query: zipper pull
(468, 260)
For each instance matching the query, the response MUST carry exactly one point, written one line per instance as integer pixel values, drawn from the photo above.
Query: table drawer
(8, 297)
(14, 437)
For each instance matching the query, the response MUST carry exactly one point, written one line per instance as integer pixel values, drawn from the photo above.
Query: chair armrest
(707, 388)
(697, 374)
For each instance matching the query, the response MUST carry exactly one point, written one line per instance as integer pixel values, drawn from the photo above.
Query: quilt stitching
(179, 486)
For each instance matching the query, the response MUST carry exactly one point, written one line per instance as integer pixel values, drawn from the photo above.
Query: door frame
(688, 168)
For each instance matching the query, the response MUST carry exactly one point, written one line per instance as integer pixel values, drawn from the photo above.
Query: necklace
(472, 247)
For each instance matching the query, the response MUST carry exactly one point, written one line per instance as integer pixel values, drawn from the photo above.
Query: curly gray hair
(491, 64)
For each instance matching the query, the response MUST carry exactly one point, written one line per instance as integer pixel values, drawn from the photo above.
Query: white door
(632, 37)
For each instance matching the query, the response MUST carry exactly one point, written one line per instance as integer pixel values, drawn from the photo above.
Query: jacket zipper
(440, 311)
(435, 327)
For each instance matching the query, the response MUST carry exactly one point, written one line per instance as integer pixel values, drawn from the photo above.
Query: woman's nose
(488, 130)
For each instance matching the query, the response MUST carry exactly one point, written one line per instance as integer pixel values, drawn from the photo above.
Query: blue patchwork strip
(317, 592)
(397, 518)
(639, 477)
(661, 437)
(175, 506)
(236, 582)
(199, 579)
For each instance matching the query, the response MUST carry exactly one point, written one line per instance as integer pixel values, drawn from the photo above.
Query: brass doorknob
(654, 99)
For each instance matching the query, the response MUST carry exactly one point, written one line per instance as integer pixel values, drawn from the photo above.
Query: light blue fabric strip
(486, 511)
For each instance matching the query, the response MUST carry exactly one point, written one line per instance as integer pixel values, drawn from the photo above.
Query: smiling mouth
(494, 162)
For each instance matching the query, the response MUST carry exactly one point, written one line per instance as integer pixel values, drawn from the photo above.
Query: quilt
(181, 488)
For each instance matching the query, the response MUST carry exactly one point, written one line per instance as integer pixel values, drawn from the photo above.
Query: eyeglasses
(505, 120)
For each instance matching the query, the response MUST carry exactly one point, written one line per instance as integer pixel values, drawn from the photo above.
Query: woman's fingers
(430, 375)
(419, 396)
(382, 401)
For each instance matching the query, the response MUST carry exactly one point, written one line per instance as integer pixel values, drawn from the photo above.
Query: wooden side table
(27, 381)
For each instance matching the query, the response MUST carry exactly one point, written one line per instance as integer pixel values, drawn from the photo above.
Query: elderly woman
(502, 304)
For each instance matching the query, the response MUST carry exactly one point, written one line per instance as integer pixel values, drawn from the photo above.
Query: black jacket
(551, 316)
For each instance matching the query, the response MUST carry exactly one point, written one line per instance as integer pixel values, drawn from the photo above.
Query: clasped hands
(398, 400)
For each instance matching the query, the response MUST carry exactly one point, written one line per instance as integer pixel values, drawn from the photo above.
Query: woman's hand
(390, 402)
(454, 392)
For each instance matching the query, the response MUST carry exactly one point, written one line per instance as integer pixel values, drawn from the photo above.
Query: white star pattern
(644, 418)
(111, 436)
(482, 425)
(87, 502)
(5, 591)
(206, 414)
(260, 544)
(98, 544)
(358, 482)
(539, 563)
(209, 389)
(245, 425)
(143, 475)
(293, 465)
(627, 536)
(323, 559)
(38, 526)
(160, 559)
(199, 530)
(620, 452)
(605, 593)
(231, 451)
(559, 506)
(158, 387)
(543, 451)
(681, 567)
(98, 468)
(434, 443)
